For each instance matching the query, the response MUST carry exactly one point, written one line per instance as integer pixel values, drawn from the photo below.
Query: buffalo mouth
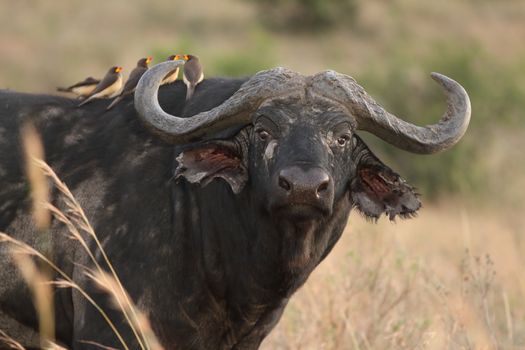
(301, 212)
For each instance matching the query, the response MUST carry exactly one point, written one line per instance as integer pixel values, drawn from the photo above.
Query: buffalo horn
(234, 111)
(371, 117)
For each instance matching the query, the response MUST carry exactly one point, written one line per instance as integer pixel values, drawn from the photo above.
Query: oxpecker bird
(172, 75)
(109, 86)
(82, 88)
(133, 80)
(193, 74)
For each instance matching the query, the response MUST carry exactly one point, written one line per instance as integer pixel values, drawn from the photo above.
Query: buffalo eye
(342, 140)
(263, 134)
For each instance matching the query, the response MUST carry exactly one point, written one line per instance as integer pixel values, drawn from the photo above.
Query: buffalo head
(297, 148)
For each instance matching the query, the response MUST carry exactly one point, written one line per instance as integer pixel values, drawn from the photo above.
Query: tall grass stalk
(28, 250)
(74, 216)
(10, 342)
(42, 295)
(34, 277)
(110, 285)
(33, 151)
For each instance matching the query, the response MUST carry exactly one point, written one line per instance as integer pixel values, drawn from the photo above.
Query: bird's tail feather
(85, 101)
(189, 92)
(114, 102)
(63, 89)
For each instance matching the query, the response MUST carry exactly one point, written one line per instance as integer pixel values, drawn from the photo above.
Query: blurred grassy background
(390, 47)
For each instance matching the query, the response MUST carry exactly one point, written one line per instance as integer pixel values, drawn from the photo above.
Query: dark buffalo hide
(210, 239)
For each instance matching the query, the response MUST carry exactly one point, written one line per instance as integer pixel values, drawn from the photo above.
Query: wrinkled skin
(210, 239)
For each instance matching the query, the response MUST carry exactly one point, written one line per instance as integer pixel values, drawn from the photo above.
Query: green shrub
(257, 56)
(307, 15)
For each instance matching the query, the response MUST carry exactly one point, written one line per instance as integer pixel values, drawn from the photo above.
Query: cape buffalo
(213, 211)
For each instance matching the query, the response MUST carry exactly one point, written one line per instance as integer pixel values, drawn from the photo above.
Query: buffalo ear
(377, 189)
(215, 159)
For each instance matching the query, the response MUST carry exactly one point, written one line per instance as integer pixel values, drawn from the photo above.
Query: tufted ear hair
(376, 189)
(217, 159)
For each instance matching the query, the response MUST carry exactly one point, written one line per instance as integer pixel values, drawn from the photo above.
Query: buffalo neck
(248, 257)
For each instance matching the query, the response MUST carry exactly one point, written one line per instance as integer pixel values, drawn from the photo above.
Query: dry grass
(42, 294)
(449, 279)
(33, 149)
(40, 280)
(10, 343)
(76, 221)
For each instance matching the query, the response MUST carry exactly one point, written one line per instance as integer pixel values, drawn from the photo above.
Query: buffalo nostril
(322, 187)
(284, 184)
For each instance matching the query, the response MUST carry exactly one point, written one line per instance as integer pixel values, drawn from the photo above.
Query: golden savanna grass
(451, 278)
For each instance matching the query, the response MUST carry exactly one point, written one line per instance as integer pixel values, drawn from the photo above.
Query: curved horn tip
(438, 76)
(146, 94)
(424, 139)
(455, 88)
(153, 76)
(443, 79)
(167, 65)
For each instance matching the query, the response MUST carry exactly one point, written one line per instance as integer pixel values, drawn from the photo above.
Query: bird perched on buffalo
(133, 80)
(109, 86)
(193, 74)
(174, 74)
(82, 88)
